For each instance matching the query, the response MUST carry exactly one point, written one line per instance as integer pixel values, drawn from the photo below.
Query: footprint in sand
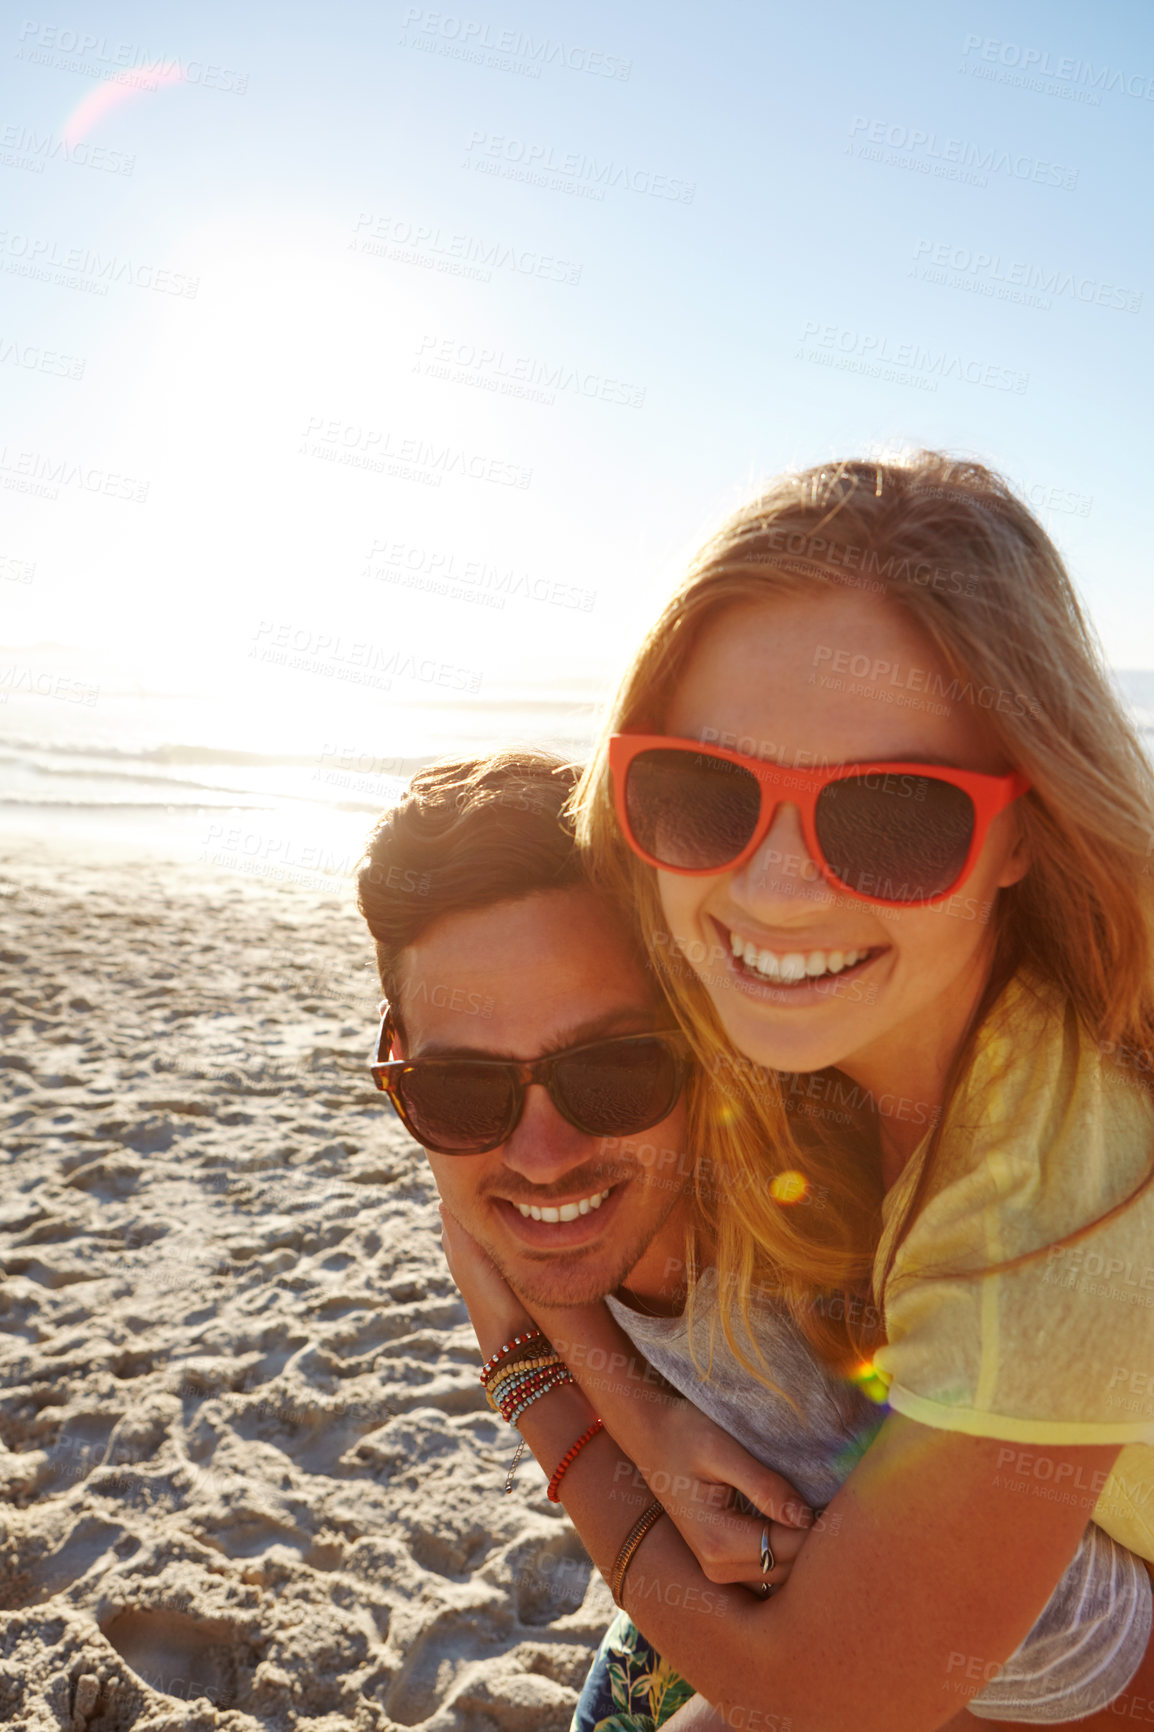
(551, 1581)
(178, 1655)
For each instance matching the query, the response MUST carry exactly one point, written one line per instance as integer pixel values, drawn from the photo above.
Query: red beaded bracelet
(517, 1341)
(570, 1456)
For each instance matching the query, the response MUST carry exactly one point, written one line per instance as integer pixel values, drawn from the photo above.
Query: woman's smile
(793, 966)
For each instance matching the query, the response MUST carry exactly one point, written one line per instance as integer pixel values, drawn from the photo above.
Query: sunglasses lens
(895, 837)
(615, 1089)
(456, 1107)
(691, 811)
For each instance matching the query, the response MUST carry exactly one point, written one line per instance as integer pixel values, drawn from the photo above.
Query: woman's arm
(685, 1457)
(943, 1549)
(940, 1564)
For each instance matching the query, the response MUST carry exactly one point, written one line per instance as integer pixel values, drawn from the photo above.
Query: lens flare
(111, 93)
(872, 1382)
(789, 1187)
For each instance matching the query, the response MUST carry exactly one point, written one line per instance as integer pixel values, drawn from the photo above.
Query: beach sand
(247, 1475)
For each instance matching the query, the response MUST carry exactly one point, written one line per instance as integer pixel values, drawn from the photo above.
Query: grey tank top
(1091, 1635)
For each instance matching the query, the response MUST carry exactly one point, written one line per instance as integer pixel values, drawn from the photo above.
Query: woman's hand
(695, 1467)
(496, 1312)
(684, 1459)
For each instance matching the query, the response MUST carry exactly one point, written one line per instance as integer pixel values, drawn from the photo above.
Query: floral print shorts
(630, 1688)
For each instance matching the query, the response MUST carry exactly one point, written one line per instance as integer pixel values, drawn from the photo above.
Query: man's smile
(561, 1225)
(564, 1211)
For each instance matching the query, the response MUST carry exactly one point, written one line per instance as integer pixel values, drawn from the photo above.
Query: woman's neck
(905, 1077)
(898, 1143)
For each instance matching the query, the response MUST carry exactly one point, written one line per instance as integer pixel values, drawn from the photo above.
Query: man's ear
(396, 1045)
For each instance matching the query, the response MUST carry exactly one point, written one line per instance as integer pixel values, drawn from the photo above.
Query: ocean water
(265, 779)
(272, 779)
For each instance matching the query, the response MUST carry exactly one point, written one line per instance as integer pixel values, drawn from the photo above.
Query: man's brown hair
(466, 833)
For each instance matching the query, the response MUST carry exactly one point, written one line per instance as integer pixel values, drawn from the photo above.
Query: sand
(247, 1476)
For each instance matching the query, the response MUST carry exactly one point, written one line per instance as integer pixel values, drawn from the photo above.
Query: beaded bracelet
(513, 1365)
(512, 1392)
(629, 1546)
(533, 1334)
(553, 1491)
(519, 1368)
(555, 1382)
(519, 1357)
(528, 1391)
(517, 1412)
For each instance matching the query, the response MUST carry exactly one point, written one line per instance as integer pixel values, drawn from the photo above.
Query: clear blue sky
(749, 290)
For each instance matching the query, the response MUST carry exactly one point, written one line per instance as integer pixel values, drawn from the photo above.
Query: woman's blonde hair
(947, 542)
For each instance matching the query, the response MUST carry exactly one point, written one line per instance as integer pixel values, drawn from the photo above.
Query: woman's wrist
(617, 1379)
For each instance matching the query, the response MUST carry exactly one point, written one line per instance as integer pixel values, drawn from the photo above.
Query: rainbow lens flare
(111, 92)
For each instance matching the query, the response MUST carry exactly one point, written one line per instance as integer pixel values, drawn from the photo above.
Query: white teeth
(566, 1211)
(793, 966)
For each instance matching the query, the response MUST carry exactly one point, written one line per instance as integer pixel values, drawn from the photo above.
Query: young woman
(886, 829)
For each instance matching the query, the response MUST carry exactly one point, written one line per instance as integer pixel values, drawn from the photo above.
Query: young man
(503, 951)
(545, 1080)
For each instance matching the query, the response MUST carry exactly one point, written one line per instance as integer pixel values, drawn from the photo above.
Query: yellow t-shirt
(1047, 1134)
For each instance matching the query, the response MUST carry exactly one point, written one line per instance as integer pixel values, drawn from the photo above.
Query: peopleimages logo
(34, 359)
(875, 355)
(568, 170)
(879, 676)
(1040, 63)
(120, 62)
(23, 147)
(438, 571)
(453, 252)
(471, 39)
(35, 681)
(1007, 279)
(521, 376)
(37, 473)
(48, 260)
(16, 570)
(383, 451)
(360, 662)
(911, 147)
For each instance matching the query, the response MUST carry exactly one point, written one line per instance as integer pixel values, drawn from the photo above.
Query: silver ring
(765, 1589)
(768, 1561)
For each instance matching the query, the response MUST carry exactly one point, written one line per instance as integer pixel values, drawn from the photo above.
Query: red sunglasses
(894, 834)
